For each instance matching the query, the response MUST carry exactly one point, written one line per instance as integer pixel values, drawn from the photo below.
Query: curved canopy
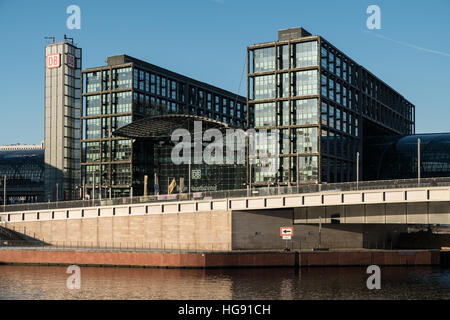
(396, 157)
(162, 126)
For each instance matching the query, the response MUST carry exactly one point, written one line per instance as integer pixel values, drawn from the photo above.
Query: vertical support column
(145, 185)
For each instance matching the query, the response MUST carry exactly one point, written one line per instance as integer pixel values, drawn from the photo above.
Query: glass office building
(23, 166)
(125, 91)
(319, 104)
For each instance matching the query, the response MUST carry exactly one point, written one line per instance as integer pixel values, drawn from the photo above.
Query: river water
(48, 282)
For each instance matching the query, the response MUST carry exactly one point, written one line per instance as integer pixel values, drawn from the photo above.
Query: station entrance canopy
(162, 126)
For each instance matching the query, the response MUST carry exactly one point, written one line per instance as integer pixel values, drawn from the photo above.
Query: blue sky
(206, 40)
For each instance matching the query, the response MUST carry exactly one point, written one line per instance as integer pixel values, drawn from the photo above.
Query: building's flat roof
(123, 59)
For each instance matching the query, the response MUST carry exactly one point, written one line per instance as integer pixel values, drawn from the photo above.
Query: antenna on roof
(66, 38)
(50, 38)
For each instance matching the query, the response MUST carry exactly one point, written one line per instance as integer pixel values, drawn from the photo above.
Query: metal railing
(116, 246)
(294, 244)
(255, 191)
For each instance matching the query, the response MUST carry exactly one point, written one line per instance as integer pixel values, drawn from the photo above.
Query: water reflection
(42, 282)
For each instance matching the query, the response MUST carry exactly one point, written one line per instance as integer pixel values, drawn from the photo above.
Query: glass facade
(328, 102)
(128, 90)
(204, 177)
(25, 173)
(292, 114)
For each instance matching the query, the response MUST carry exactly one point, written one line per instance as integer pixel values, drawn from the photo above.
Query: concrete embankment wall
(225, 259)
(183, 231)
(211, 231)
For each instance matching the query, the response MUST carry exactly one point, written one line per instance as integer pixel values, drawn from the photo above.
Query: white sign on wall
(286, 232)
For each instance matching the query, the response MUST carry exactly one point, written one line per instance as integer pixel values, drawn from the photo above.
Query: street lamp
(249, 185)
(4, 191)
(418, 162)
(357, 170)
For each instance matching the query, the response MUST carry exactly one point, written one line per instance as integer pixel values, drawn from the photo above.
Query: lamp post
(298, 174)
(249, 185)
(4, 191)
(189, 178)
(84, 188)
(357, 170)
(93, 186)
(320, 231)
(418, 162)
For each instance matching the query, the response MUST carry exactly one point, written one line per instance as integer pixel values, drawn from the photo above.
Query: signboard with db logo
(53, 60)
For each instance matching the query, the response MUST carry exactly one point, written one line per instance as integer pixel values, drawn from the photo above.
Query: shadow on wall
(12, 238)
(423, 240)
(260, 230)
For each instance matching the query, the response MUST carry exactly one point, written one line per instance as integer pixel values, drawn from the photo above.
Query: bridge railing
(255, 191)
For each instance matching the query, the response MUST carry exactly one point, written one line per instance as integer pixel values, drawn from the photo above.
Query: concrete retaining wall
(199, 231)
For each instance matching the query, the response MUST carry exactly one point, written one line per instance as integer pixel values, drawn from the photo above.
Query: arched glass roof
(162, 126)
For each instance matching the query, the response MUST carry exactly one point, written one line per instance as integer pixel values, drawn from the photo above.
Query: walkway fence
(253, 192)
(290, 245)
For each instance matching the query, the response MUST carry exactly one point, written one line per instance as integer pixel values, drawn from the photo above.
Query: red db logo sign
(53, 60)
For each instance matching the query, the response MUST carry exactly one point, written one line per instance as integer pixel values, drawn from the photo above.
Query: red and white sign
(71, 60)
(286, 231)
(53, 60)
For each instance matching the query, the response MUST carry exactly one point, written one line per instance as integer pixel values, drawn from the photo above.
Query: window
(92, 151)
(93, 128)
(265, 114)
(118, 122)
(283, 57)
(305, 83)
(285, 141)
(331, 62)
(305, 54)
(121, 102)
(264, 59)
(308, 169)
(92, 105)
(93, 82)
(283, 113)
(324, 114)
(264, 87)
(283, 85)
(306, 111)
(121, 150)
(324, 86)
(307, 141)
(324, 57)
(105, 80)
